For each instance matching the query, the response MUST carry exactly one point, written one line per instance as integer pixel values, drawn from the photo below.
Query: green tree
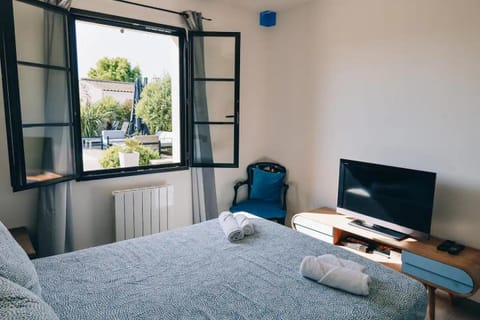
(114, 69)
(155, 105)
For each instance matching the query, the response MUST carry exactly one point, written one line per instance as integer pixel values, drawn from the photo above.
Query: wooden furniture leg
(453, 299)
(431, 302)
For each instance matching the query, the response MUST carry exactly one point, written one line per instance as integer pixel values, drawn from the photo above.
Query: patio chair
(150, 140)
(125, 125)
(110, 137)
(266, 192)
(166, 139)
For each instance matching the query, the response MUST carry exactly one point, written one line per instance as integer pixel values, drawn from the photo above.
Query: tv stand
(379, 229)
(458, 275)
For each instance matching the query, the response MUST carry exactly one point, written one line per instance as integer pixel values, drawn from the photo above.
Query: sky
(155, 54)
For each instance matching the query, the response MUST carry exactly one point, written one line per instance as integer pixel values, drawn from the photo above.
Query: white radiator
(143, 211)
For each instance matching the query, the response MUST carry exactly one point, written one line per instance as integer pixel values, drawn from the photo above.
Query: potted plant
(133, 154)
(128, 156)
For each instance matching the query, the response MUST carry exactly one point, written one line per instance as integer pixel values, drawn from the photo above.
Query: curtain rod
(156, 8)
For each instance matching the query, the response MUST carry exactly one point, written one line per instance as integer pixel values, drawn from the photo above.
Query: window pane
(222, 144)
(220, 101)
(43, 95)
(129, 86)
(219, 57)
(47, 153)
(215, 98)
(30, 27)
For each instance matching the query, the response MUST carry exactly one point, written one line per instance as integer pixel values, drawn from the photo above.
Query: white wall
(392, 82)
(93, 213)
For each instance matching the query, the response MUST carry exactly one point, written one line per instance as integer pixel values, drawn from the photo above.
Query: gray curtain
(54, 234)
(204, 195)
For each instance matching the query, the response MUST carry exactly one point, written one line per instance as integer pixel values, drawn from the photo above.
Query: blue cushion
(264, 209)
(15, 264)
(266, 185)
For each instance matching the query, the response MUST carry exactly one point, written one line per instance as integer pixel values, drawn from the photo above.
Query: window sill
(119, 173)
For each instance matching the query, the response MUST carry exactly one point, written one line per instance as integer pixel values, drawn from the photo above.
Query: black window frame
(106, 19)
(12, 104)
(235, 122)
(11, 92)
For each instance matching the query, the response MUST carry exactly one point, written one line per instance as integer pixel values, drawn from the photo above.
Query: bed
(195, 273)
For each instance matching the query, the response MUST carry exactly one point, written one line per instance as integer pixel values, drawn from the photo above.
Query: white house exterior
(93, 90)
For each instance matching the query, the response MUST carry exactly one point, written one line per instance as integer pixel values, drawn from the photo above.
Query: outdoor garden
(119, 121)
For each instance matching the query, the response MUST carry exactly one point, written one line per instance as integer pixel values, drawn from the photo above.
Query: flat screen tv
(397, 202)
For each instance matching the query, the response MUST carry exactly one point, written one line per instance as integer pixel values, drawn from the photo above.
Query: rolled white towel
(245, 224)
(230, 226)
(330, 275)
(336, 261)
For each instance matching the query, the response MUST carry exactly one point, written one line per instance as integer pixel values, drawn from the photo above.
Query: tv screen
(395, 198)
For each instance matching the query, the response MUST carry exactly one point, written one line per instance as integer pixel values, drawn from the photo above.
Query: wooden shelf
(468, 260)
(395, 262)
(43, 177)
(459, 275)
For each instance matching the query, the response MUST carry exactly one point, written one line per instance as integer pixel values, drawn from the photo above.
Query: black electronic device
(445, 245)
(388, 197)
(456, 249)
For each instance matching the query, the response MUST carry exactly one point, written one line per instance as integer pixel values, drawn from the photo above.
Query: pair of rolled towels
(235, 226)
(338, 273)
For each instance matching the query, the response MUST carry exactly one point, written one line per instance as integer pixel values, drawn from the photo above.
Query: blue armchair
(267, 191)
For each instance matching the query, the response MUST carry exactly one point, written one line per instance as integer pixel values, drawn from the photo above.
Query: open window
(130, 79)
(215, 98)
(83, 88)
(37, 93)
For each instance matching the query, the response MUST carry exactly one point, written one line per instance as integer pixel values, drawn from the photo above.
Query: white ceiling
(259, 5)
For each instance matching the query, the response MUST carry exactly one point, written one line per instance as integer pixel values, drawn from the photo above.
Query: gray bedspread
(195, 273)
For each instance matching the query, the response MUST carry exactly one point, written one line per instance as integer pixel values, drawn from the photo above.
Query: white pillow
(15, 264)
(17, 303)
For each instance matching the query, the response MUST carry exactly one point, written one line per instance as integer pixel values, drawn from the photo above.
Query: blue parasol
(136, 122)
